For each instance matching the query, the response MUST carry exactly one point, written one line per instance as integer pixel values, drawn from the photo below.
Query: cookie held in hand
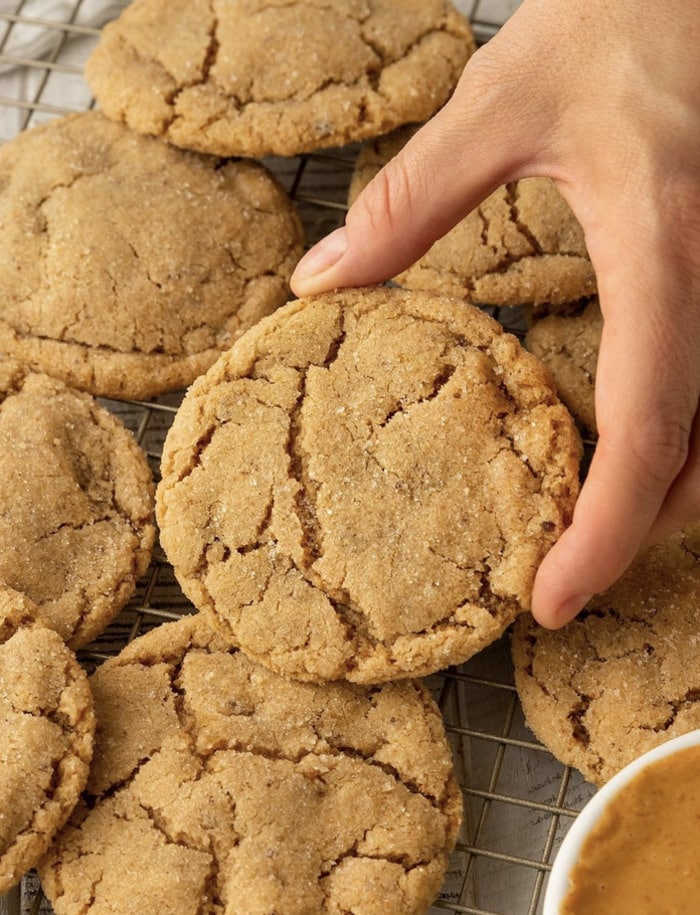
(365, 484)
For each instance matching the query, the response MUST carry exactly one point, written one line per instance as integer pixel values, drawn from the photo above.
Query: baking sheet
(519, 802)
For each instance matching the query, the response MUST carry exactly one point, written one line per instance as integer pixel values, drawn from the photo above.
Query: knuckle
(658, 450)
(388, 201)
(485, 81)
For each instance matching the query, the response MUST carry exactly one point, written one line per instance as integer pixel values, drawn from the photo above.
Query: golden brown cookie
(46, 735)
(522, 245)
(126, 265)
(365, 484)
(568, 345)
(256, 78)
(76, 526)
(625, 674)
(230, 789)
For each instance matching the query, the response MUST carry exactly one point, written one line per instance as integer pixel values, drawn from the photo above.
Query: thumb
(488, 134)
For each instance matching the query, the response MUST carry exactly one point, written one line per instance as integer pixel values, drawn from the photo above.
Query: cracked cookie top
(261, 794)
(521, 246)
(46, 735)
(76, 527)
(365, 484)
(624, 676)
(128, 265)
(568, 344)
(282, 77)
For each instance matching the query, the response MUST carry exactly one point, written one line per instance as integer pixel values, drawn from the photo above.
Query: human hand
(604, 98)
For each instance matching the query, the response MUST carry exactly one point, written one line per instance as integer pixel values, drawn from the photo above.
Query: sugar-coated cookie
(46, 735)
(365, 484)
(76, 526)
(229, 789)
(127, 265)
(522, 245)
(568, 345)
(254, 78)
(625, 674)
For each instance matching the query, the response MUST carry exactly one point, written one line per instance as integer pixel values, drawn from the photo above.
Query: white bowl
(569, 851)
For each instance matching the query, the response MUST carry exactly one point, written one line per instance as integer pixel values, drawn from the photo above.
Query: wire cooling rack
(519, 801)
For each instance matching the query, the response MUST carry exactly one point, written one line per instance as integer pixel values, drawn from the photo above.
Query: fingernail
(571, 608)
(317, 260)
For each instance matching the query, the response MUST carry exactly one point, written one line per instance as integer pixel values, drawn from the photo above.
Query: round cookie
(243, 791)
(364, 485)
(46, 735)
(568, 345)
(624, 676)
(127, 265)
(254, 78)
(521, 245)
(76, 527)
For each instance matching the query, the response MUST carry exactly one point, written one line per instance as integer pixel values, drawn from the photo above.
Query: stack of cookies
(356, 491)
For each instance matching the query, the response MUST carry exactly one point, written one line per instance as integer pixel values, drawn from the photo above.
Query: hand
(604, 98)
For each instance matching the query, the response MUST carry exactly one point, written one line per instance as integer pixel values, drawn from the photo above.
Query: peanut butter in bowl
(635, 848)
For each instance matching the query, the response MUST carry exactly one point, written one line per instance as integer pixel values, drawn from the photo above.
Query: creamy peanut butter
(643, 855)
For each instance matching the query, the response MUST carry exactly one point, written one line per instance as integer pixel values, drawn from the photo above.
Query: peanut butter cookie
(625, 674)
(229, 789)
(365, 484)
(46, 734)
(522, 245)
(76, 526)
(568, 344)
(257, 78)
(126, 265)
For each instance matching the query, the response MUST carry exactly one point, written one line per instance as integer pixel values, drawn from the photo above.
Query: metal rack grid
(519, 802)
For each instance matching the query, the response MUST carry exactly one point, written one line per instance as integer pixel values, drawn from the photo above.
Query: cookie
(568, 345)
(522, 245)
(228, 788)
(46, 735)
(126, 265)
(365, 484)
(254, 78)
(76, 527)
(624, 676)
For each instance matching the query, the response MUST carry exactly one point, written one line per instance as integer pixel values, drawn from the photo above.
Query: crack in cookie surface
(521, 245)
(46, 732)
(255, 787)
(88, 523)
(624, 675)
(331, 72)
(146, 304)
(376, 439)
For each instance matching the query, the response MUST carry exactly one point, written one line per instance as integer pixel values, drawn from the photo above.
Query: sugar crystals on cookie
(521, 245)
(47, 726)
(76, 527)
(127, 265)
(244, 792)
(624, 676)
(365, 484)
(255, 78)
